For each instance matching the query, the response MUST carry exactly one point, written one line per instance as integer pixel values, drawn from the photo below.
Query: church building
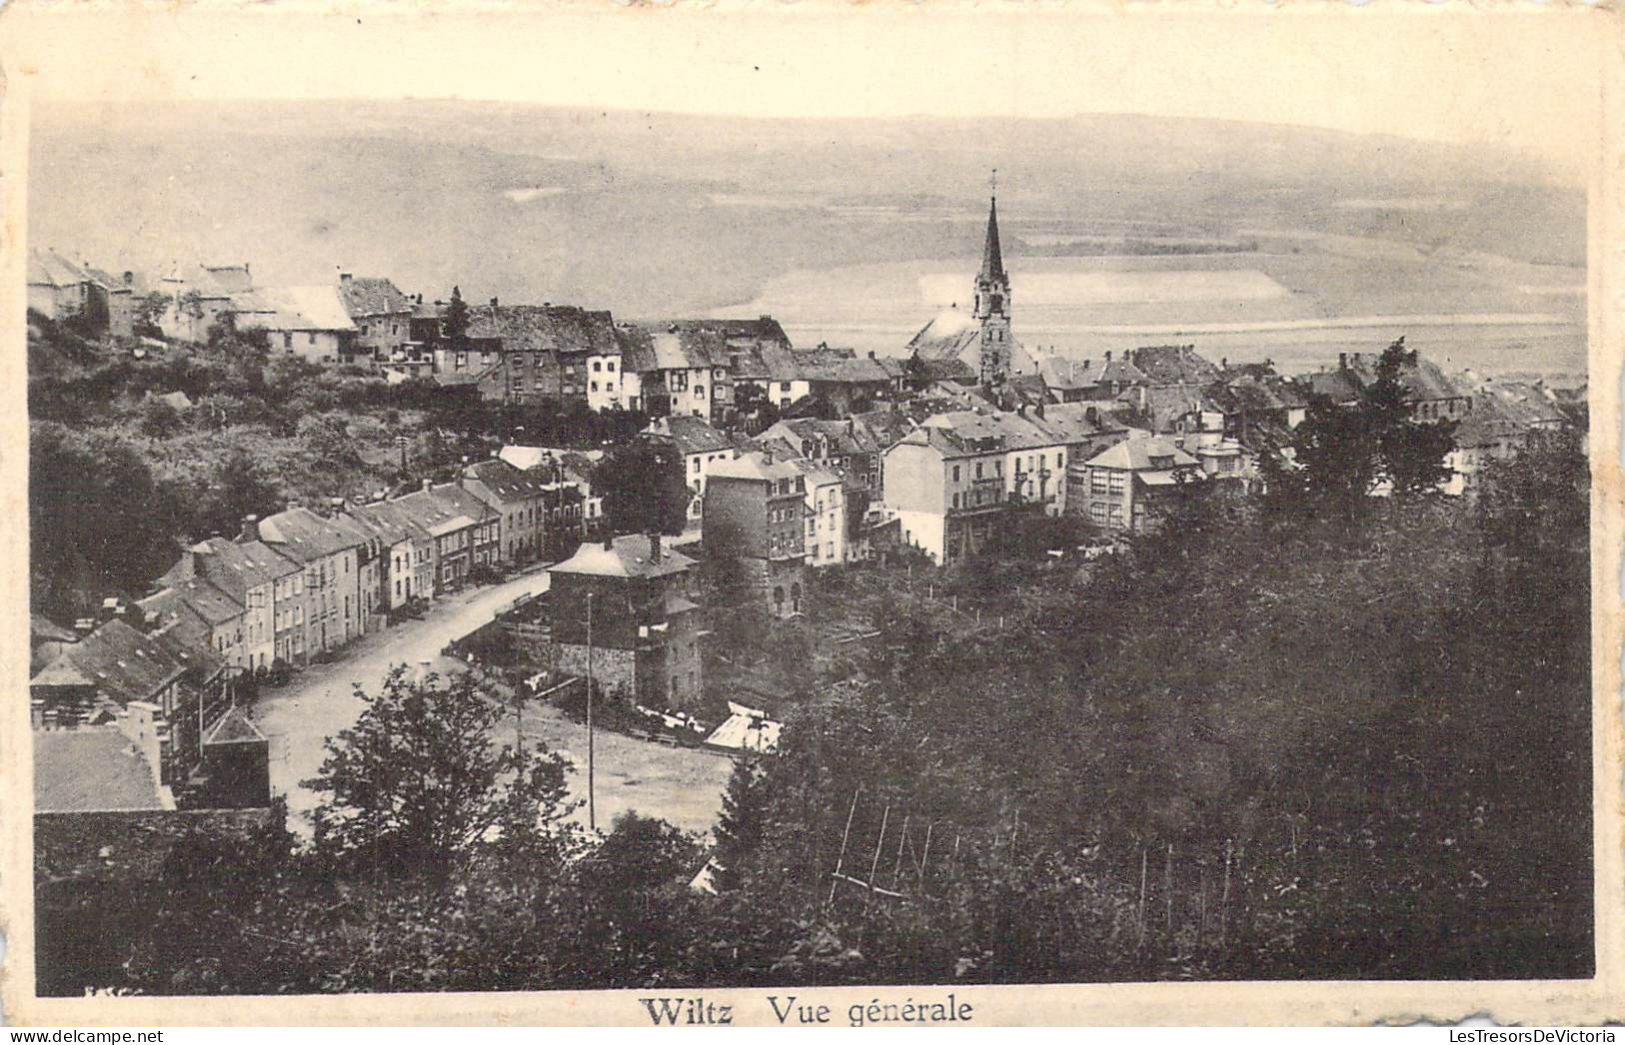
(976, 347)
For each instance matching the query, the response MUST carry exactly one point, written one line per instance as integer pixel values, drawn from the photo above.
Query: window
(312, 337)
(784, 386)
(1097, 512)
(363, 330)
(594, 386)
(610, 366)
(1114, 516)
(1117, 482)
(829, 550)
(609, 386)
(1097, 480)
(956, 473)
(696, 466)
(597, 366)
(462, 359)
(978, 469)
(699, 391)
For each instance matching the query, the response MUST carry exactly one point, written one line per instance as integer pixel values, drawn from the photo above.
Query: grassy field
(1300, 300)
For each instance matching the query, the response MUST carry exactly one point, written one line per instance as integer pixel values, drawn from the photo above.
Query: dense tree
(1341, 455)
(99, 522)
(739, 830)
(454, 324)
(643, 487)
(149, 311)
(419, 782)
(239, 488)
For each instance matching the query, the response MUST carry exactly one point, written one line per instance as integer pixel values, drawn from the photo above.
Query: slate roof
(1173, 364)
(1423, 379)
(1248, 394)
(1012, 431)
(208, 602)
(235, 567)
(817, 475)
(463, 502)
(305, 537)
(1062, 373)
(126, 665)
(43, 629)
(1077, 422)
(114, 284)
(752, 466)
(762, 329)
(94, 769)
(1337, 385)
(885, 427)
(298, 308)
(841, 437)
(693, 435)
(546, 328)
(504, 480)
(628, 556)
(431, 512)
(1122, 371)
(372, 296)
(647, 347)
(391, 521)
(1135, 455)
(48, 268)
(947, 336)
(1165, 404)
(234, 727)
(227, 279)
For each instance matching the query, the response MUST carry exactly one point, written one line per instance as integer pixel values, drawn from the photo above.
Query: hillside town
(523, 566)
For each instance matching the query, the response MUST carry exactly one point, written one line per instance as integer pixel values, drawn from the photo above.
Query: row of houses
(309, 580)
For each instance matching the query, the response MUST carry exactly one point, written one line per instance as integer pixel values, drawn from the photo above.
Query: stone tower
(993, 308)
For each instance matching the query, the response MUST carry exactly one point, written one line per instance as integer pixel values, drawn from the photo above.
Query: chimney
(1342, 360)
(1039, 409)
(871, 353)
(344, 278)
(251, 529)
(767, 456)
(428, 484)
(1108, 355)
(493, 304)
(1021, 409)
(1224, 363)
(129, 277)
(654, 547)
(609, 540)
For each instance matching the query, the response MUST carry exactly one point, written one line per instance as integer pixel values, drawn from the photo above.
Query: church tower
(993, 307)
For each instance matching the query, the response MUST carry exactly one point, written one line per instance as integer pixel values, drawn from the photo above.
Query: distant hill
(652, 214)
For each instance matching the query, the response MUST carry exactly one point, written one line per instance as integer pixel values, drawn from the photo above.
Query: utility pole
(592, 813)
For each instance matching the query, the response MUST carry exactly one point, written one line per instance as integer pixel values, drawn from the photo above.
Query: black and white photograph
(675, 501)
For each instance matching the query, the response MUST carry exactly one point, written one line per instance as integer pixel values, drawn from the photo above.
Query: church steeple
(992, 257)
(992, 298)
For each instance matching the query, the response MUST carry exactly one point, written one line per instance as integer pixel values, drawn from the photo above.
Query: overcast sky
(1524, 80)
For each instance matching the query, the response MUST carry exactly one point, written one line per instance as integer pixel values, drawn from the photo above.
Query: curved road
(683, 786)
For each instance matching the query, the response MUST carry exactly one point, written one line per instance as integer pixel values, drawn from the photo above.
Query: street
(683, 786)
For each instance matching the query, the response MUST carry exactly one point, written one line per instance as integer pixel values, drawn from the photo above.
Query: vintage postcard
(816, 514)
